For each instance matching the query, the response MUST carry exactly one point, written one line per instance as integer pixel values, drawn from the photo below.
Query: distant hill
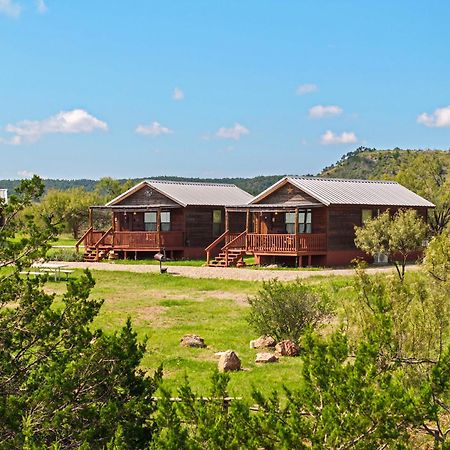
(362, 163)
(252, 185)
(370, 163)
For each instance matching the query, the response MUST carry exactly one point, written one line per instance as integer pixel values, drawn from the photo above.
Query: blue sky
(217, 88)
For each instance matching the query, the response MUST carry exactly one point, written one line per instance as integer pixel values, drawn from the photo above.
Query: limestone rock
(263, 342)
(266, 358)
(229, 361)
(287, 348)
(192, 340)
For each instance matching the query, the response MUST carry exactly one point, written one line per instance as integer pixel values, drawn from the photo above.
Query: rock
(272, 266)
(287, 348)
(229, 361)
(266, 358)
(192, 340)
(263, 342)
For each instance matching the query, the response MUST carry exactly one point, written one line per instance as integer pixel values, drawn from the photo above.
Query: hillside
(362, 163)
(252, 185)
(365, 163)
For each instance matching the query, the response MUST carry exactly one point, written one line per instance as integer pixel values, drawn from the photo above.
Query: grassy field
(165, 307)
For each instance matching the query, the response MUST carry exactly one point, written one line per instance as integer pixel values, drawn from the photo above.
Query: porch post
(247, 220)
(296, 229)
(158, 226)
(226, 219)
(90, 217)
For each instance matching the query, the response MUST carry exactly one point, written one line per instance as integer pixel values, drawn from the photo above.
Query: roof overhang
(271, 208)
(133, 207)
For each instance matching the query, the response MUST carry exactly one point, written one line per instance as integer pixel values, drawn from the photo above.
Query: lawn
(165, 307)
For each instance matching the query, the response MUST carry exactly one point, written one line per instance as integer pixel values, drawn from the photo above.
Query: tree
(69, 208)
(428, 176)
(285, 310)
(399, 237)
(62, 382)
(109, 188)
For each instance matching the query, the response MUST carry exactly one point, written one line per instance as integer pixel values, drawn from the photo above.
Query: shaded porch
(271, 230)
(132, 229)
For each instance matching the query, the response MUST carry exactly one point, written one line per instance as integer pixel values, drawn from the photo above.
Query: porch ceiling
(271, 208)
(120, 208)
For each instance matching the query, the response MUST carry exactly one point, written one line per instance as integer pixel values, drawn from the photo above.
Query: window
(150, 221)
(165, 221)
(366, 214)
(304, 221)
(217, 222)
(290, 223)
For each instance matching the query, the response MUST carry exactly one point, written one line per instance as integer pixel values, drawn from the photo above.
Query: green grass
(65, 239)
(165, 307)
(153, 262)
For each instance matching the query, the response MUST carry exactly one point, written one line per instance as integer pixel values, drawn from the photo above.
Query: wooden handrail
(77, 244)
(97, 244)
(226, 246)
(215, 244)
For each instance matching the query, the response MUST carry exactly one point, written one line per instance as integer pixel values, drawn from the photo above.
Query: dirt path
(230, 273)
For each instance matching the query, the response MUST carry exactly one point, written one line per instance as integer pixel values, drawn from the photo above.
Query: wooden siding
(199, 226)
(289, 195)
(343, 219)
(147, 196)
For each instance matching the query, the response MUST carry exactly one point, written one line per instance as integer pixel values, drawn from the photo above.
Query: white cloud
(438, 119)
(320, 111)
(347, 137)
(41, 6)
(25, 174)
(154, 129)
(178, 94)
(235, 132)
(307, 88)
(10, 8)
(65, 122)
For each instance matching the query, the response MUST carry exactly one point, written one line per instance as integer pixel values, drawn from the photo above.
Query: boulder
(263, 342)
(287, 348)
(229, 361)
(266, 358)
(192, 340)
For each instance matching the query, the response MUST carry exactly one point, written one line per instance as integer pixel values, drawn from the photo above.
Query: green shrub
(61, 254)
(285, 310)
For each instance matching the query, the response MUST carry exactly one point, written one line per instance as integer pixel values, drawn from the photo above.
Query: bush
(64, 255)
(285, 310)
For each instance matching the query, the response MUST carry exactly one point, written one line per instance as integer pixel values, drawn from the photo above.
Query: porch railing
(286, 243)
(148, 239)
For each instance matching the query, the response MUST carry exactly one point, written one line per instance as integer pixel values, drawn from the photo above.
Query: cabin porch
(271, 233)
(132, 230)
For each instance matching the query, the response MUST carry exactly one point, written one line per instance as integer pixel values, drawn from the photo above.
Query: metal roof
(192, 194)
(338, 191)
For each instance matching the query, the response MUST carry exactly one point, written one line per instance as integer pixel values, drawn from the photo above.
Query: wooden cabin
(179, 218)
(308, 221)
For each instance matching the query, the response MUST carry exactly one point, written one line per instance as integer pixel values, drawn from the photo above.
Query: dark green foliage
(370, 163)
(285, 310)
(108, 186)
(62, 382)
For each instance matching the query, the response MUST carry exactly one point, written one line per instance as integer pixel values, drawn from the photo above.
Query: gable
(288, 195)
(148, 197)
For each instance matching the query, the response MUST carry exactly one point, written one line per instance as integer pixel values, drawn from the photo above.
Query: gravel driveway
(230, 273)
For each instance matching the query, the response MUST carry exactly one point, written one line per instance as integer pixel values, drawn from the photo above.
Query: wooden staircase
(235, 258)
(232, 253)
(104, 252)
